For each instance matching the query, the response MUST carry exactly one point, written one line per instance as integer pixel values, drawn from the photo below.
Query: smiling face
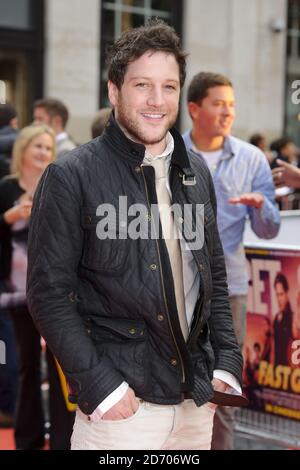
(146, 106)
(38, 153)
(214, 116)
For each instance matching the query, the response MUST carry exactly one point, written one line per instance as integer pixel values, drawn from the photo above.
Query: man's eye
(170, 87)
(141, 85)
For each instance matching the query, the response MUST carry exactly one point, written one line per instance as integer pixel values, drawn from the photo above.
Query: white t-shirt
(212, 159)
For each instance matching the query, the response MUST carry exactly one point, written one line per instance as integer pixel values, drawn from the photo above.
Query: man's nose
(228, 110)
(156, 97)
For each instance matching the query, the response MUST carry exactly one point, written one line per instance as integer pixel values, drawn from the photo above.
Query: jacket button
(72, 297)
(201, 267)
(205, 219)
(88, 219)
(137, 169)
(134, 152)
(148, 217)
(160, 317)
(153, 267)
(85, 405)
(173, 362)
(132, 331)
(180, 220)
(88, 332)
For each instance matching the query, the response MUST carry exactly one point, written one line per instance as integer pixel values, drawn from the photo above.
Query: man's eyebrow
(139, 78)
(149, 78)
(224, 100)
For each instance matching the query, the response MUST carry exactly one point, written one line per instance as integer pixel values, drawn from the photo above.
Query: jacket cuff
(230, 362)
(92, 387)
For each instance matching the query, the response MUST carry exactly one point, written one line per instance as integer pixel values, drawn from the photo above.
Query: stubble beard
(135, 131)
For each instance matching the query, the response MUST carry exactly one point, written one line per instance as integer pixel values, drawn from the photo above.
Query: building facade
(57, 48)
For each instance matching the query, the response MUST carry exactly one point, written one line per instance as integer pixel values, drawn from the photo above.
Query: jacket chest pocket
(106, 246)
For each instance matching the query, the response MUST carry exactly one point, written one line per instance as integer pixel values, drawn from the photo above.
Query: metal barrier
(290, 202)
(254, 425)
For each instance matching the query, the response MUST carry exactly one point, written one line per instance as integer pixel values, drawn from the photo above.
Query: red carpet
(7, 439)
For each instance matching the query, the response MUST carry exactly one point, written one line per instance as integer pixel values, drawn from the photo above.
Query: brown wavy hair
(156, 36)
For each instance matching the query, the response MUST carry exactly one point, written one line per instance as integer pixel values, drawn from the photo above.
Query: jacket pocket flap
(130, 329)
(108, 224)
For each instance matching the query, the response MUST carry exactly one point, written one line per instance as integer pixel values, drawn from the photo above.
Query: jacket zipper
(162, 283)
(196, 327)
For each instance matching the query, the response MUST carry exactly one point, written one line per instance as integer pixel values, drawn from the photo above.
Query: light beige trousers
(152, 427)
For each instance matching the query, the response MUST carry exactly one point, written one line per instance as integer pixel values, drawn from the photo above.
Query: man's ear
(193, 109)
(113, 93)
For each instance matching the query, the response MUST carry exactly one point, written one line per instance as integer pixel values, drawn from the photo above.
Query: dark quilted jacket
(107, 307)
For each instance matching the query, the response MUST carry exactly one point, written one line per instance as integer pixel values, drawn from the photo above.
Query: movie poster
(272, 345)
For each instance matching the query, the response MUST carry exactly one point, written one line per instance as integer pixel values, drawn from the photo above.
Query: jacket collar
(136, 152)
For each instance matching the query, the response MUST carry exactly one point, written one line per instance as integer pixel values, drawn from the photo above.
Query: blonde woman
(33, 151)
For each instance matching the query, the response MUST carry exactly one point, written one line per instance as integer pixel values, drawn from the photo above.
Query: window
(120, 15)
(15, 14)
(294, 30)
(21, 54)
(292, 117)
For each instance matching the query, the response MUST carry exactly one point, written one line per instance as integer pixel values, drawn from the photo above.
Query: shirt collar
(149, 158)
(135, 152)
(228, 148)
(167, 153)
(61, 136)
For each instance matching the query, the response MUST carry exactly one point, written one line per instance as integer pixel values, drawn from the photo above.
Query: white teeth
(154, 116)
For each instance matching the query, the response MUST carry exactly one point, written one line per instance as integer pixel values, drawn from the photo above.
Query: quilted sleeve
(54, 250)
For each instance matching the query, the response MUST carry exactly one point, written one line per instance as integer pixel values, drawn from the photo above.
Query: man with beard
(283, 322)
(138, 319)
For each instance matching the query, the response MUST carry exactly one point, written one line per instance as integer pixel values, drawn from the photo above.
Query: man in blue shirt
(244, 188)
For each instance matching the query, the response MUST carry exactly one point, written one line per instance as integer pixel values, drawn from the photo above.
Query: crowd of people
(78, 290)
(284, 159)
